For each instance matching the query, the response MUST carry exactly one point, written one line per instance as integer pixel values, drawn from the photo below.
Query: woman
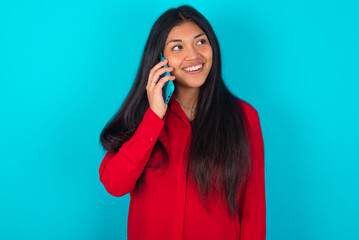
(194, 167)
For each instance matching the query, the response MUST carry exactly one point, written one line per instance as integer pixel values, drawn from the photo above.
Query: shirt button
(151, 139)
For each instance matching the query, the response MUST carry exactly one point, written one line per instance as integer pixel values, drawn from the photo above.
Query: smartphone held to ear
(168, 87)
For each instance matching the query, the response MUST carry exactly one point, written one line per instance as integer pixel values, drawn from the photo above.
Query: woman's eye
(175, 47)
(204, 41)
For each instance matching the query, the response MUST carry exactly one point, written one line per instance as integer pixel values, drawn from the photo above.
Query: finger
(156, 67)
(163, 80)
(156, 75)
(159, 72)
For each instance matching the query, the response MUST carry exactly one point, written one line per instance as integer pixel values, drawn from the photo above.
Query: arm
(253, 221)
(120, 171)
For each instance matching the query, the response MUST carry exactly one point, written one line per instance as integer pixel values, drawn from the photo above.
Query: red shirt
(169, 206)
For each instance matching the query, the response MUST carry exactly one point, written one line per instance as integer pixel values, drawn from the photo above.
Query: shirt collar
(177, 109)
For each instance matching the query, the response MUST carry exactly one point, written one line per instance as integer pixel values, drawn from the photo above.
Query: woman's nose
(192, 53)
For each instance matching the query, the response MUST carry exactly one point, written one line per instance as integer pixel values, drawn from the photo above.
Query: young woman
(194, 167)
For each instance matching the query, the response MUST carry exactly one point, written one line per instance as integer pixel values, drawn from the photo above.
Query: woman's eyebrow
(179, 40)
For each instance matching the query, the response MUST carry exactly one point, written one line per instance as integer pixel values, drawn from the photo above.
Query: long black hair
(219, 151)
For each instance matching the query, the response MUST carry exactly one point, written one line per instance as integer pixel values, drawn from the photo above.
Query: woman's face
(187, 46)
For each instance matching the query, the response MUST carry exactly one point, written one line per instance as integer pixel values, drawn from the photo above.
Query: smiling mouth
(194, 69)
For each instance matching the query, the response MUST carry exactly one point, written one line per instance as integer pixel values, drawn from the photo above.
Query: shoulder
(247, 108)
(251, 115)
(253, 124)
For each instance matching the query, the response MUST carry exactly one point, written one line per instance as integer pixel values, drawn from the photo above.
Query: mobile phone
(168, 87)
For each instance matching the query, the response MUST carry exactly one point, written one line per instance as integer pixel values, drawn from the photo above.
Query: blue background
(66, 67)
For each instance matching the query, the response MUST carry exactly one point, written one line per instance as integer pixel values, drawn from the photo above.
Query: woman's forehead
(188, 30)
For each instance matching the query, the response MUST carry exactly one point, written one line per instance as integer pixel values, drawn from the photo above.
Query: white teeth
(194, 68)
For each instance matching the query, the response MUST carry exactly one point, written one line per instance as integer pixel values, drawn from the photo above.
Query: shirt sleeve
(253, 221)
(120, 171)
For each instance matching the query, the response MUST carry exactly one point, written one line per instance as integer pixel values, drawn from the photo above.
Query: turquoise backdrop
(66, 66)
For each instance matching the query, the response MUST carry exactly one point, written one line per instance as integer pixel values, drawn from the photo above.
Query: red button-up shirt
(169, 206)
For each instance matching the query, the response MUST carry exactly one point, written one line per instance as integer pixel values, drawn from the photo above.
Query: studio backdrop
(66, 67)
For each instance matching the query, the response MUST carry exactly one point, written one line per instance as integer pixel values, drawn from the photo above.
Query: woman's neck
(187, 99)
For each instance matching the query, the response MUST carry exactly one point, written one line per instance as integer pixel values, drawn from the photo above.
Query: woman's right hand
(154, 88)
